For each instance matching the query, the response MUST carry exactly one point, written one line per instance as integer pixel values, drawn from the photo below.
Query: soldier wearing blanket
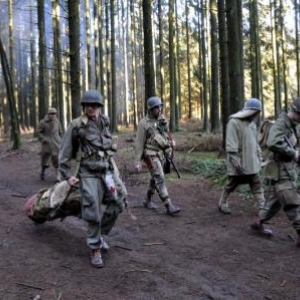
(243, 154)
(152, 144)
(280, 171)
(89, 141)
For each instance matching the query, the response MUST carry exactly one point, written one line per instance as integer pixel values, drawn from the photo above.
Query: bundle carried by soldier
(62, 200)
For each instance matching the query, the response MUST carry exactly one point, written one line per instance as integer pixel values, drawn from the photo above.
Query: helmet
(153, 101)
(92, 96)
(295, 106)
(253, 104)
(52, 110)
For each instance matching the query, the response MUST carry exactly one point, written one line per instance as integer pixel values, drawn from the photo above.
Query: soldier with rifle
(154, 146)
(280, 171)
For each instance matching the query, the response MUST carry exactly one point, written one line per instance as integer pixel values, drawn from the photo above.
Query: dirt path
(199, 255)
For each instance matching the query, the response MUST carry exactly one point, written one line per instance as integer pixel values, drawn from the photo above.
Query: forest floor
(200, 254)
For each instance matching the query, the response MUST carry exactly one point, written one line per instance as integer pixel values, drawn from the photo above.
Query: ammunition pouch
(96, 162)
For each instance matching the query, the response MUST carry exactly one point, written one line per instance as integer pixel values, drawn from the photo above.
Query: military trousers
(157, 181)
(252, 180)
(47, 158)
(92, 192)
(282, 194)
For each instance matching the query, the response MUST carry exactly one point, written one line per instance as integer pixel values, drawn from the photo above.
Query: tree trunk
(88, 45)
(189, 87)
(15, 129)
(33, 109)
(256, 71)
(150, 89)
(125, 55)
(234, 67)
(214, 108)
(43, 91)
(297, 46)
(204, 68)
(114, 117)
(172, 66)
(133, 64)
(277, 100)
(74, 40)
(58, 78)
(224, 68)
(161, 54)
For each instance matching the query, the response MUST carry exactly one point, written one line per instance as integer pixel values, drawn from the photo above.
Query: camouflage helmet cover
(92, 96)
(153, 102)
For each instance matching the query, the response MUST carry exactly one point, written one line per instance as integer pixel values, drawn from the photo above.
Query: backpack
(264, 131)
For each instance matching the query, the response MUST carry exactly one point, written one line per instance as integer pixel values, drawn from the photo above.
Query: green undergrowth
(212, 169)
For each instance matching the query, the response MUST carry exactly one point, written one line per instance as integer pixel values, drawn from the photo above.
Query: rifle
(169, 162)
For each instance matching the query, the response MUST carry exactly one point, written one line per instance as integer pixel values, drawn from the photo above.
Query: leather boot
(259, 228)
(172, 209)
(96, 258)
(223, 204)
(149, 203)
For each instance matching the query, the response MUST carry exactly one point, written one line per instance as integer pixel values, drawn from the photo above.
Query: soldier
(243, 154)
(89, 141)
(280, 171)
(49, 134)
(153, 143)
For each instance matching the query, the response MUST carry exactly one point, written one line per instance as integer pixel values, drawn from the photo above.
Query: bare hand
(73, 181)
(296, 157)
(138, 168)
(237, 167)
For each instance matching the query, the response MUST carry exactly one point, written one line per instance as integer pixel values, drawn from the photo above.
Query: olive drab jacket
(90, 144)
(283, 150)
(49, 134)
(242, 145)
(152, 138)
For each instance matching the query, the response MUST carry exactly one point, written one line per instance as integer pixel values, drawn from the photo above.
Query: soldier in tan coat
(152, 144)
(49, 134)
(243, 154)
(280, 171)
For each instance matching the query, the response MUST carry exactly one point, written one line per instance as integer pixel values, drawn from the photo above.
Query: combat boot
(96, 259)
(259, 228)
(223, 204)
(149, 203)
(104, 246)
(172, 209)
